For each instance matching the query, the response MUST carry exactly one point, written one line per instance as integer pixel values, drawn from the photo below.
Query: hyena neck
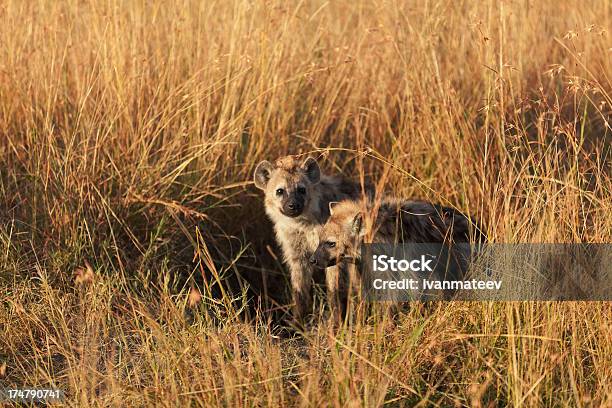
(283, 223)
(314, 213)
(355, 253)
(297, 236)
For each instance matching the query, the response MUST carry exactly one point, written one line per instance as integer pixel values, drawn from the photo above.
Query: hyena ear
(332, 204)
(262, 174)
(357, 224)
(312, 170)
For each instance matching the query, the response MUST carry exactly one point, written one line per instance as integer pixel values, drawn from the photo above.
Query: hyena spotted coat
(297, 198)
(393, 221)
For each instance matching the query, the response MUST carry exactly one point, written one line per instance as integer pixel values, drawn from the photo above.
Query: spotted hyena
(392, 221)
(297, 198)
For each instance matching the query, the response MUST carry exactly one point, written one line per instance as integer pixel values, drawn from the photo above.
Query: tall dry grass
(129, 132)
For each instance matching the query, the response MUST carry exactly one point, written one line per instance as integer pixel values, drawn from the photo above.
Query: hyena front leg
(301, 285)
(332, 281)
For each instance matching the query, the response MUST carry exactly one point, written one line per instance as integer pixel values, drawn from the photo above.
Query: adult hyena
(297, 198)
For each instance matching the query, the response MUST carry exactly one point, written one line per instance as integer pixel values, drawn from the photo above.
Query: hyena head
(341, 237)
(289, 185)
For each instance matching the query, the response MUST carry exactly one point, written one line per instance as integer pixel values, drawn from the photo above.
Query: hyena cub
(297, 198)
(394, 221)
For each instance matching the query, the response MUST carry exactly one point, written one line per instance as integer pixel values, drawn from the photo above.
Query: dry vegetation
(130, 129)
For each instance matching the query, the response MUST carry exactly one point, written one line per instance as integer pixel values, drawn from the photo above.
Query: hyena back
(297, 198)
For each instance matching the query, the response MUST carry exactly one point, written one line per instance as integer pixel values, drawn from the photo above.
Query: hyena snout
(322, 259)
(293, 207)
(314, 261)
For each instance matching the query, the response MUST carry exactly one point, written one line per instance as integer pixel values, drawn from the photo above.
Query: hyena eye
(330, 244)
(279, 191)
(301, 190)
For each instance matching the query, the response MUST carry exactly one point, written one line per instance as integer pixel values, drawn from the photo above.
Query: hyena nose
(313, 260)
(293, 206)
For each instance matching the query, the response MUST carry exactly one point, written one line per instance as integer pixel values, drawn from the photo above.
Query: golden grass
(129, 132)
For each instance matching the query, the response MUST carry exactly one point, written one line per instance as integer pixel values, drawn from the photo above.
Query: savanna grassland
(137, 267)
